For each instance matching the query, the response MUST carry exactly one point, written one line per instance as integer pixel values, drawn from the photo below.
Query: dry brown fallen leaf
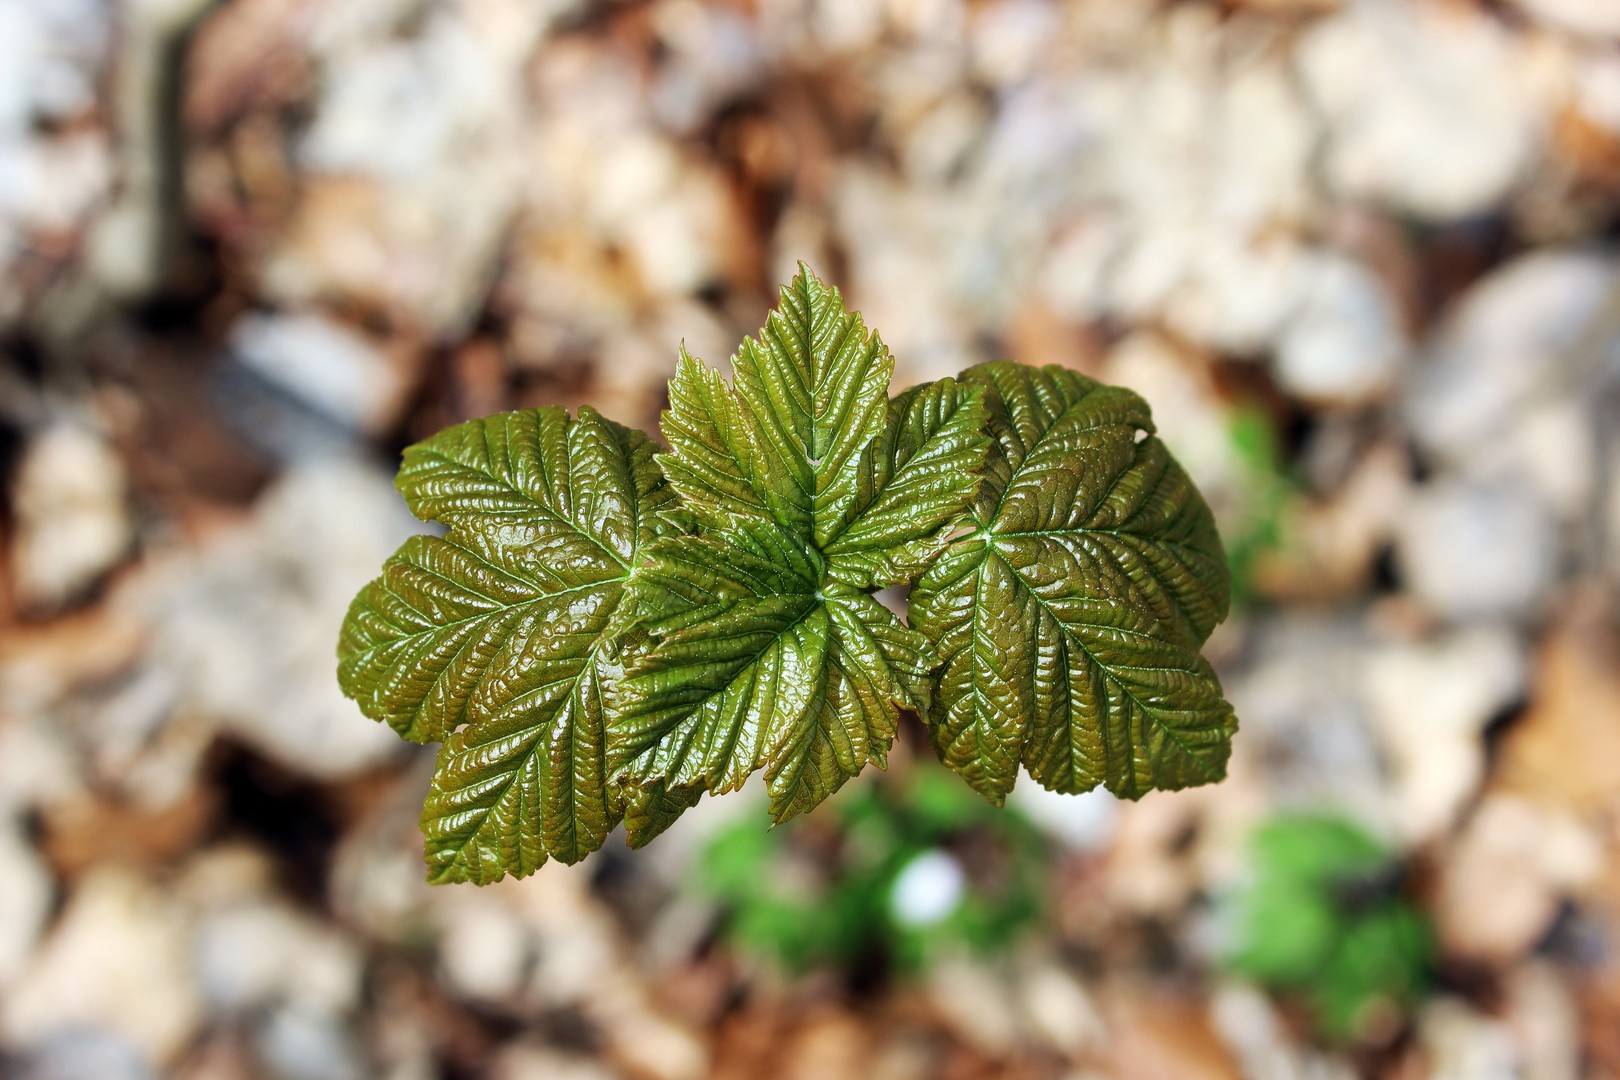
(1565, 751)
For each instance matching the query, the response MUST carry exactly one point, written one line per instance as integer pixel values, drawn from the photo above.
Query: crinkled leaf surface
(809, 488)
(1070, 620)
(494, 637)
(593, 642)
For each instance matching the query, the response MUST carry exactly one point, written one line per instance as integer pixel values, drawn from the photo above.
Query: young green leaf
(604, 633)
(740, 640)
(649, 809)
(493, 638)
(1070, 620)
(911, 484)
(809, 487)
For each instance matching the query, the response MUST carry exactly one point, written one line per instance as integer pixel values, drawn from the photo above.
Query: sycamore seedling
(605, 632)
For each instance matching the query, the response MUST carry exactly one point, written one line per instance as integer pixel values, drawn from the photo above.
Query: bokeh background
(1360, 255)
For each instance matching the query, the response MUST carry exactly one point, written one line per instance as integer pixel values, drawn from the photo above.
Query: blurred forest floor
(1360, 256)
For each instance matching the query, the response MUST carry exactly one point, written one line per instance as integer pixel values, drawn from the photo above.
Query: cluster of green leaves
(604, 632)
(1323, 919)
(826, 894)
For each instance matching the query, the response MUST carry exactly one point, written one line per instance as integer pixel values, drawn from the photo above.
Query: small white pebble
(928, 890)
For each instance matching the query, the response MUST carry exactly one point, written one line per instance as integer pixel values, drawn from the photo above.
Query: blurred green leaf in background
(1323, 920)
(1259, 529)
(908, 869)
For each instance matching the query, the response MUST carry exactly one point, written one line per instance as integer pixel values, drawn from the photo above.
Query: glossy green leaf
(808, 488)
(649, 809)
(603, 633)
(783, 442)
(494, 637)
(757, 664)
(1070, 619)
(740, 641)
(914, 482)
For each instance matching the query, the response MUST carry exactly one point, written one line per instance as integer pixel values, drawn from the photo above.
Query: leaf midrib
(753, 660)
(512, 775)
(1105, 669)
(899, 467)
(491, 613)
(1185, 551)
(1032, 450)
(539, 507)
